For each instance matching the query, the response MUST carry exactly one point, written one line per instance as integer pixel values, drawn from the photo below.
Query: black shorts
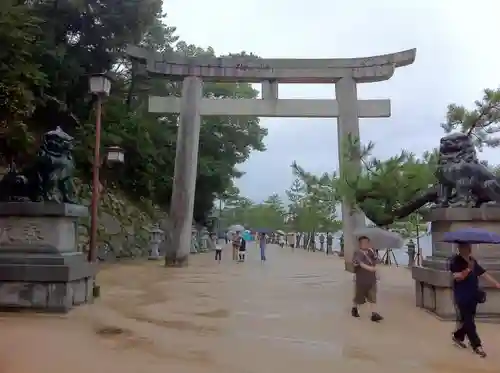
(365, 293)
(242, 250)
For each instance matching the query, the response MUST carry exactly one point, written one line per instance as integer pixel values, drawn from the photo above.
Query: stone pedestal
(433, 280)
(40, 266)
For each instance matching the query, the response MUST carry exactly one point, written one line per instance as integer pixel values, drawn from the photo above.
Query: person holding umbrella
(467, 294)
(235, 238)
(364, 260)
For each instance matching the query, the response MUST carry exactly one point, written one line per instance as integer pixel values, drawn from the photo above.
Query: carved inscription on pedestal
(38, 233)
(20, 232)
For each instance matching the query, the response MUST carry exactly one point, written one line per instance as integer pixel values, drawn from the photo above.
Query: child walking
(218, 248)
(242, 248)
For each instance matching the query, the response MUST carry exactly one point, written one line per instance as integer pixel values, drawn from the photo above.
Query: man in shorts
(365, 279)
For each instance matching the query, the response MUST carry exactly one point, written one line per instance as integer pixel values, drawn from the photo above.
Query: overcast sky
(457, 58)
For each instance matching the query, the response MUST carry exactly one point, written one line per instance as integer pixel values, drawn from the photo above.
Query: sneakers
(376, 317)
(479, 351)
(458, 342)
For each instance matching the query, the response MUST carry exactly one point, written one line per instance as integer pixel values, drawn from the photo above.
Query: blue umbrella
(472, 236)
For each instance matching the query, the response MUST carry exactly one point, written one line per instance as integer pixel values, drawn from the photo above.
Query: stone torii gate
(345, 73)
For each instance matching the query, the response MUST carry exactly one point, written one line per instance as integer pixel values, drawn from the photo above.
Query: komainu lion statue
(462, 181)
(48, 178)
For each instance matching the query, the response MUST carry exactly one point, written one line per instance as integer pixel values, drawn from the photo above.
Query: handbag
(481, 296)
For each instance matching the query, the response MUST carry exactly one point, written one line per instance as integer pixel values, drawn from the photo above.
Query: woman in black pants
(467, 294)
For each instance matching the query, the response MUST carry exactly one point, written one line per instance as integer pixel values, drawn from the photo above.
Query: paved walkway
(290, 314)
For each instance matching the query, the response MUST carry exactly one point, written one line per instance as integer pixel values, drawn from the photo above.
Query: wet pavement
(289, 314)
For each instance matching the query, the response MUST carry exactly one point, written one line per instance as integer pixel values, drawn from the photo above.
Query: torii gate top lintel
(280, 70)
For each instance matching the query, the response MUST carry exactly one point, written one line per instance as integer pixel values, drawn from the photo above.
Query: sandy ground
(290, 314)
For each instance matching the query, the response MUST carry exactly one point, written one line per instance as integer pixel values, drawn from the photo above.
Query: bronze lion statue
(48, 178)
(462, 181)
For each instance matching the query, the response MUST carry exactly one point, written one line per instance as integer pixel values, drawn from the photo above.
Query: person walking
(262, 245)
(321, 242)
(292, 240)
(234, 243)
(467, 295)
(365, 279)
(218, 248)
(281, 241)
(242, 248)
(329, 243)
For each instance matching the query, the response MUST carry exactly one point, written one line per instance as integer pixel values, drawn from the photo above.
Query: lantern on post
(155, 238)
(114, 155)
(100, 84)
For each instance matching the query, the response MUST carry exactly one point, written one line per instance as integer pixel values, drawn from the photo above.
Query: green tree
(269, 214)
(481, 122)
(383, 185)
(21, 79)
(49, 50)
(294, 195)
(314, 201)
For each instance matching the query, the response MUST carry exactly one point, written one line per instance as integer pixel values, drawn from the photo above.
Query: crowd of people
(238, 244)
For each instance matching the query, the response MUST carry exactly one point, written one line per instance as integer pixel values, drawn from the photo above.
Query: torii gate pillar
(186, 167)
(346, 93)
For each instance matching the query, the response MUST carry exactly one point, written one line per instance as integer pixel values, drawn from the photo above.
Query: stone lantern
(155, 238)
(204, 238)
(411, 253)
(194, 241)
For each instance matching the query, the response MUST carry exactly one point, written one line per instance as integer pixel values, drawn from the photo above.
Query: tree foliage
(21, 77)
(313, 202)
(49, 50)
(268, 215)
(482, 122)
